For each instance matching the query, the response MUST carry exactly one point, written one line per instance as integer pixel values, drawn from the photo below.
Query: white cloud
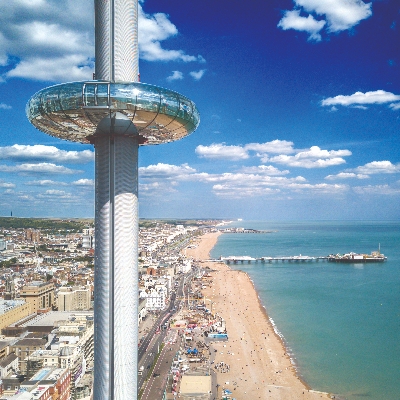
(19, 152)
(152, 30)
(156, 189)
(376, 189)
(376, 97)
(378, 167)
(83, 182)
(176, 75)
(40, 168)
(264, 170)
(197, 75)
(72, 67)
(56, 192)
(161, 170)
(347, 175)
(57, 196)
(312, 158)
(394, 106)
(339, 15)
(251, 185)
(221, 152)
(7, 185)
(45, 182)
(293, 20)
(52, 40)
(275, 146)
(4, 106)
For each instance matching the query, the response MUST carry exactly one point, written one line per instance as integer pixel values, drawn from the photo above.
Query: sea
(340, 322)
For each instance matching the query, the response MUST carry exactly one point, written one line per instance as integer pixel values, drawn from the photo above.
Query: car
(156, 375)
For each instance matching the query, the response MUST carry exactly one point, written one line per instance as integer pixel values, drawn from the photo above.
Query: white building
(155, 297)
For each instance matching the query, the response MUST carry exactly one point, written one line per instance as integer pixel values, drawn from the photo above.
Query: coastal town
(203, 333)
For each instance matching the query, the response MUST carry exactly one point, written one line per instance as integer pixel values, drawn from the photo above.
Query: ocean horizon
(340, 322)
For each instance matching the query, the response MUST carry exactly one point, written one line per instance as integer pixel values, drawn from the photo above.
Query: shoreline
(265, 369)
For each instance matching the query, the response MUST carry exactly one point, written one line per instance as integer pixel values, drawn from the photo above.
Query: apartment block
(39, 294)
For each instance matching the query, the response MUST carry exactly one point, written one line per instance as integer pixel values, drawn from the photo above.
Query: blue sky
(299, 103)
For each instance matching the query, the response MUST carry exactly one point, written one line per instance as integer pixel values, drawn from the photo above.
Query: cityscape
(47, 286)
(263, 263)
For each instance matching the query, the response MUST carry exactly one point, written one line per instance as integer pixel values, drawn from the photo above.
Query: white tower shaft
(116, 214)
(116, 40)
(116, 276)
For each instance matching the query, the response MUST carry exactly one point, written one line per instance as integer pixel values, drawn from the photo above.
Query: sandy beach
(259, 365)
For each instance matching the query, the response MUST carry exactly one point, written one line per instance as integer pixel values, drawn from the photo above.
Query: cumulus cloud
(221, 151)
(378, 167)
(152, 30)
(58, 196)
(161, 170)
(251, 181)
(19, 152)
(51, 40)
(55, 69)
(176, 76)
(7, 185)
(312, 158)
(197, 75)
(338, 15)
(346, 175)
(275, 146)
(156, 189)
(45, 182)
(293, 20)
(244, 185)
(83, 182)
(264, 170)
(40, 168)
(376, 189)
(4, 106)
(359, 98)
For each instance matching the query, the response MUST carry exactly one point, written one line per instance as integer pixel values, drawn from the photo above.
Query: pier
(247, 259)
(244, 230)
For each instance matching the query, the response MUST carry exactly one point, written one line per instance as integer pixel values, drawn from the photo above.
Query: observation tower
(115, 113)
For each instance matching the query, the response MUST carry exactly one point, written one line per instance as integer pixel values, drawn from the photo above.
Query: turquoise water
(341, 322)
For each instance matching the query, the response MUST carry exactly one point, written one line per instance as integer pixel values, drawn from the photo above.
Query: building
(49, 384)
(32, 235)
(142, 312)
(8, 365)
(155, 296)
(23, 348)
(87, 242)
(3, 244)
(39, 294)
(9, 290)
(12, 311)
(72, 349)
(74, 298)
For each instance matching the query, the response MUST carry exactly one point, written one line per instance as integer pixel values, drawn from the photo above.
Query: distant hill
(46, 224)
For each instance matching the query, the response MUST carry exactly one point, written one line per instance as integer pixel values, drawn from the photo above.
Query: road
(150, 345)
